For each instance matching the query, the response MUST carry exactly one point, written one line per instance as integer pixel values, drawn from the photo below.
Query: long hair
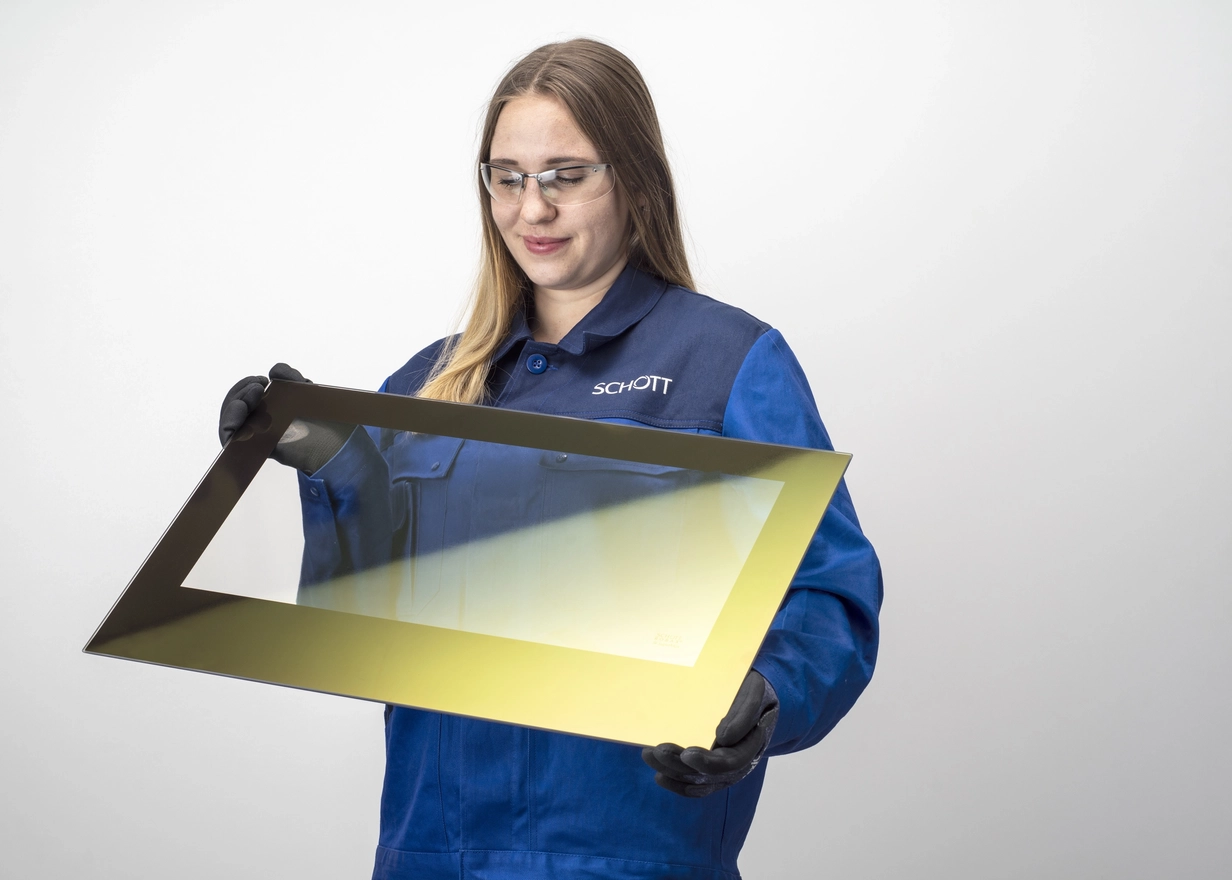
(612, 106)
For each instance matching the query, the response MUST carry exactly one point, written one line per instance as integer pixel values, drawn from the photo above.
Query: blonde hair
(612, 106)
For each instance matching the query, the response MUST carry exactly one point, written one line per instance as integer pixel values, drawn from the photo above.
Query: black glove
(740, 740)
(305, 445)
(238, 405)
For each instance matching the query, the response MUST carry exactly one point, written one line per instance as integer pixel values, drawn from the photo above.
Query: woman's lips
(539, 245)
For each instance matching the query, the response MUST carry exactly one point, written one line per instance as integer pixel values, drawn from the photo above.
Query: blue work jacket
(465, 798)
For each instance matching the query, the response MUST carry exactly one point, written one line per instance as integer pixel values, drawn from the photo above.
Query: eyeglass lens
(575, 185)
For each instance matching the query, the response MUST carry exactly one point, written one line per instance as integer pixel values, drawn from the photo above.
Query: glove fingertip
(709, 762)
(675, 786)
(665, 750)
(252, 394)
(234, 413)
(287, 373)
(244, 383)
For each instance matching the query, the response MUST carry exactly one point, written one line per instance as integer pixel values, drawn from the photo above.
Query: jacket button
(562, 457)
(436, 465)
(536, 363)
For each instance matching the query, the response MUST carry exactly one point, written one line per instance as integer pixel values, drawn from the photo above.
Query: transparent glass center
(589, 553)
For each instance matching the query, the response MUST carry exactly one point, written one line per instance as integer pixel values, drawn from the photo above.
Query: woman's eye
(509, 182)
(573, 177)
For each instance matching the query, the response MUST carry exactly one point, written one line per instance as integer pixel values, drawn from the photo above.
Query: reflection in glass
(570, 550)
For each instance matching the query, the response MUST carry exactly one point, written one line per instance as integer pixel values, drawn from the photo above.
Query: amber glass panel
(604, 580)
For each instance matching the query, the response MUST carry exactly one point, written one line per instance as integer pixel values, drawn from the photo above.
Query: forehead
(533, 131)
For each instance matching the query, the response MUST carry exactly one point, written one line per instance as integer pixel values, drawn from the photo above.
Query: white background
(998, 235)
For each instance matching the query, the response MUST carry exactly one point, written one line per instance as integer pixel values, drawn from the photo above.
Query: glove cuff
(308, 446)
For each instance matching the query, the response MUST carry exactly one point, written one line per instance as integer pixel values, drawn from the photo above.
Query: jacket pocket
(421, 456)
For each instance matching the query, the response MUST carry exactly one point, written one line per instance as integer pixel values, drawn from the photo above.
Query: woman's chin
(552, 280)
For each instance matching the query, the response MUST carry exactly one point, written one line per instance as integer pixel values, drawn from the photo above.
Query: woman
(583, 308)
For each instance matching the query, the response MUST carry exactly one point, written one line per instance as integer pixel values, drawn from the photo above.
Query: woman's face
(576, 248)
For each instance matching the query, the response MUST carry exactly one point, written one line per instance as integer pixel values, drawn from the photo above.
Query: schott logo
(641, 383)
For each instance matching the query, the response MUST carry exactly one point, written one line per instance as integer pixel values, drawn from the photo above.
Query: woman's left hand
(740, 741)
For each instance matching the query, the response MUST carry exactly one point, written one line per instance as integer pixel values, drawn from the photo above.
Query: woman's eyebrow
(555, 160)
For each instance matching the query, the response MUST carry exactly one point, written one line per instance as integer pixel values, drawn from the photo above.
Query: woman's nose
(535, 208)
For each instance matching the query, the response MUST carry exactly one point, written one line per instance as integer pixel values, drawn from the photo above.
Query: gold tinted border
(156, 620)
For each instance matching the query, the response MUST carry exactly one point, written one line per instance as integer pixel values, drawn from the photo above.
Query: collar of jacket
(627, 301)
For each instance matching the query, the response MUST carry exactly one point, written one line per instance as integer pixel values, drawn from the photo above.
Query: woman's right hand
(306, 445)
(238, 405)
(244, 396)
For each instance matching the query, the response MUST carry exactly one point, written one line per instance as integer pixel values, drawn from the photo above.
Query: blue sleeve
(821, 648)
(349, 517)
